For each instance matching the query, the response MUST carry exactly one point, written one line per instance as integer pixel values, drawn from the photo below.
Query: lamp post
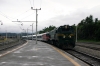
(27, 33)
(28, 21)
(32, 30)
(1, 23)
(6, 34)
(24, 30)
(76, 33)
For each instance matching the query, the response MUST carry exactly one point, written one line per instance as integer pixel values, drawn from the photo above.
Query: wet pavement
(33, 54)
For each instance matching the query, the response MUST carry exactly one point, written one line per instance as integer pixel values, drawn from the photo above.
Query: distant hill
(14, 34)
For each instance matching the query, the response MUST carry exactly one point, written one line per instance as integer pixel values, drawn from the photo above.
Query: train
(62, 37)
(40, 37)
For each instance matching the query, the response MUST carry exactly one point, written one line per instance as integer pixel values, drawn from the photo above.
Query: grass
(3, 40)
(89, 41)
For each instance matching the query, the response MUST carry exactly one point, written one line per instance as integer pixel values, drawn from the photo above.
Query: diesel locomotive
(63, 37)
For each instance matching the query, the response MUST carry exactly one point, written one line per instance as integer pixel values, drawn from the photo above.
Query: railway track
(7, 45)
(88, 53)
(91, 46)
(91, 60)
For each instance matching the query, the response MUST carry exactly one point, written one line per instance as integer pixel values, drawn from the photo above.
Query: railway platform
(41, 54)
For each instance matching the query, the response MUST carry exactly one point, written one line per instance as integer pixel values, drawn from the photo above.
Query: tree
(86, 28)
(47, 29)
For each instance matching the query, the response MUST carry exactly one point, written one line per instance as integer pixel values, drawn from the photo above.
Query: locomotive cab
(64, 36)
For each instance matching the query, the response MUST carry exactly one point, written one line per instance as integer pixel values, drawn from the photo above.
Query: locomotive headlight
(66, 26)
(64, 36)
(70, 36)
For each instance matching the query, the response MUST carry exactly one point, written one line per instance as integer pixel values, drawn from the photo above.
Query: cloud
(53, 12)
(67, 19)
(75, 17)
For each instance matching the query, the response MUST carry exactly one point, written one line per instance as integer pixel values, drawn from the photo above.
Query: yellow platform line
(67, 57)
(12, 50)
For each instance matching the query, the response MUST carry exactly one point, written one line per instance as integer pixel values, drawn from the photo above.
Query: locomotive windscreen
(65, 28)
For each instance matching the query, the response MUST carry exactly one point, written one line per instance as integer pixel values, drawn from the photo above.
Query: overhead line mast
(32, 21)
(22, 24)
(36, 21)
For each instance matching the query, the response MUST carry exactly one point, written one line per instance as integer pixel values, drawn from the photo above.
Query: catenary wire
(22, 13)
(26, 16)
(40, 3)
(4, 15)
(33, 4)
(30, 3)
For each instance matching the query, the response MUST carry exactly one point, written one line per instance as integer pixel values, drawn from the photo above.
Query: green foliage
(47, 29)
(89, 29)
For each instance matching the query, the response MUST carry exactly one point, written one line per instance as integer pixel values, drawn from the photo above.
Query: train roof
(35, 35)
(40, 34)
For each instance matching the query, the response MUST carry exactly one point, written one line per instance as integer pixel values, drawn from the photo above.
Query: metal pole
(27, 33)
(21, 35)
(36, 22)
(76, 33)
(36, 26)
(6, 34)
(32, 31)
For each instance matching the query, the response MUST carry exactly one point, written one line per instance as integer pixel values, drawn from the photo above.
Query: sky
(53, 12)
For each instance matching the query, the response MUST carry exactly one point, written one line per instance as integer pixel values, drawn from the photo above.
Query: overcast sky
(53, 12)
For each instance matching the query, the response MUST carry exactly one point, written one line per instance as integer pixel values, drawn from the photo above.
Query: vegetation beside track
(8, 40)
(88, 29)
(88, 41)
(4, 40)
